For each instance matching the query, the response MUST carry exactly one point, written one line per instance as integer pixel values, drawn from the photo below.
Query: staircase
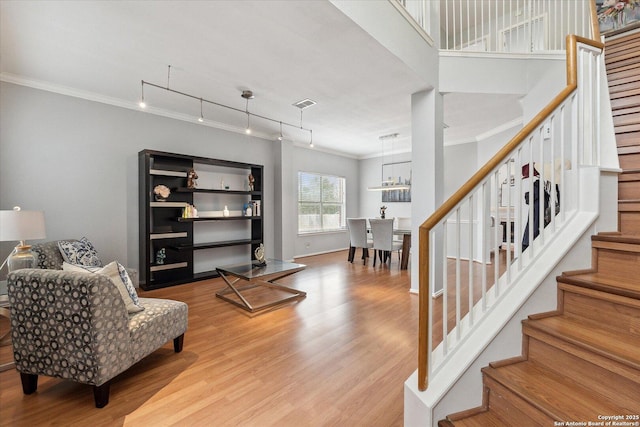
(622, 59)
(582, 361)
(579, 362)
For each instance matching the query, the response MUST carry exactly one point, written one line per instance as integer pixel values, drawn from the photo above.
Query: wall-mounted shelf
(220, 244)
(218, 218)
(162, 225)
(167, 204)
(211, 190)
(157, 236)
(181, 174)
(163, 267)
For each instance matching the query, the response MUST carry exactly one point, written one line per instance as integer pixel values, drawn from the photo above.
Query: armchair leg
(29, 383)
(101, 394)
(177, 343)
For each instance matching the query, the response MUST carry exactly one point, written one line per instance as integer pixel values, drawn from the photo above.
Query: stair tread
(605, 342)
(604, 282)
(559, 397)
(618, 238)
(480, 419)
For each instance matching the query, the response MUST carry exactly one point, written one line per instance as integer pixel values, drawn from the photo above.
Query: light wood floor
(339, 357)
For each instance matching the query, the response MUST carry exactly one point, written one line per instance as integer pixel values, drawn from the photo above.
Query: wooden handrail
(595, 26)
(423, 232)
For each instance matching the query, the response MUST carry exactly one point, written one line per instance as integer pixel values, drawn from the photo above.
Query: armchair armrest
(68, 325)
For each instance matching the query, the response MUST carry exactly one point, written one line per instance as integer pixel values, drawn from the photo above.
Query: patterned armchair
(76, 326)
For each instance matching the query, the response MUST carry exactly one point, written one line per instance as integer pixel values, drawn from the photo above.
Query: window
(321, 203)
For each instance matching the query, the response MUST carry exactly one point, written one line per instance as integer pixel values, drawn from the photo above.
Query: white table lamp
(19, 225)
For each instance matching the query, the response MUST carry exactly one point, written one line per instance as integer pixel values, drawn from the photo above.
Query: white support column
(427, 169)
(284, 199)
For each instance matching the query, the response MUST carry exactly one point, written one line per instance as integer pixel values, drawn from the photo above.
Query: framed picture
(616, 15)
(396, 173)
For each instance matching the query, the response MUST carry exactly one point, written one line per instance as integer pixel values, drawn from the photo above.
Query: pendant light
(389, 184)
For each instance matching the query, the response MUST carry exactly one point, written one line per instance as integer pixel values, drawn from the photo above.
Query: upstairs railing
(460, 256)
(509, 26)
(513, 26)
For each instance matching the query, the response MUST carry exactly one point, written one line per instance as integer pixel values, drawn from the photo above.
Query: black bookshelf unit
(191, 246)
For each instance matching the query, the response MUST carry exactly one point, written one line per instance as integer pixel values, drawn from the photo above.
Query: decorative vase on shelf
(161, 193)
(225, 212)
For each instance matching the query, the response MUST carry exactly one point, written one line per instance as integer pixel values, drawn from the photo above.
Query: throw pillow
(112, 271)
(79, 252)
(124, 276)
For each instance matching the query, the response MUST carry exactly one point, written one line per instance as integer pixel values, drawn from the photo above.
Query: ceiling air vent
(305, 103)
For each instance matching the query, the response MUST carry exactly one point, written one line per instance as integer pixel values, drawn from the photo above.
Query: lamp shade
(19, 225)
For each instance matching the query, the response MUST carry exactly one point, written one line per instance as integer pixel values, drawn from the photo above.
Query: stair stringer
(458, 383)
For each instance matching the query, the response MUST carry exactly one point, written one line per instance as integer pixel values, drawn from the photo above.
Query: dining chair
(358, 238)
(383, 243)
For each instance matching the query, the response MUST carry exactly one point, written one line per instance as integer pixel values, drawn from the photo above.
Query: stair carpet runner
(580, 364)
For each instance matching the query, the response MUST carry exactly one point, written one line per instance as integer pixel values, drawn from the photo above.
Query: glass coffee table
(260, 290)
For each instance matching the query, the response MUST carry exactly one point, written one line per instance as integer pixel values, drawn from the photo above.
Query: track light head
(142, 104)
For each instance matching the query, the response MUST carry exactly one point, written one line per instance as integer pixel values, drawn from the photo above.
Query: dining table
(406, 246)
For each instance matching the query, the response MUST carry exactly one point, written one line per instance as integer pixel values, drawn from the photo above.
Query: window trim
(343, 205)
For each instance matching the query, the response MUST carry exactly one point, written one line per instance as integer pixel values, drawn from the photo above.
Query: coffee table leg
(269, 282)
(233, 288)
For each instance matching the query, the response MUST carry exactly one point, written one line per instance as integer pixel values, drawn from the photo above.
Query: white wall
(308, 160)
(78, 161)
(460, 162)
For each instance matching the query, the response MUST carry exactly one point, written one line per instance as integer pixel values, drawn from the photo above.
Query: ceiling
(283, 51)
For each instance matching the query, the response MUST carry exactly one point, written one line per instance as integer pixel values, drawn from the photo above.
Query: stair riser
(618, 264)
(629, 177)
(607, 314)
(629, 222)
(629, 161)
(586, 368)
(628, 190)
(626, 140)
(512, 408)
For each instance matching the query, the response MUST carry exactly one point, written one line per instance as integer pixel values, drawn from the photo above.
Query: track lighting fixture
(142, 104)
(201, 118)
(246, 94)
